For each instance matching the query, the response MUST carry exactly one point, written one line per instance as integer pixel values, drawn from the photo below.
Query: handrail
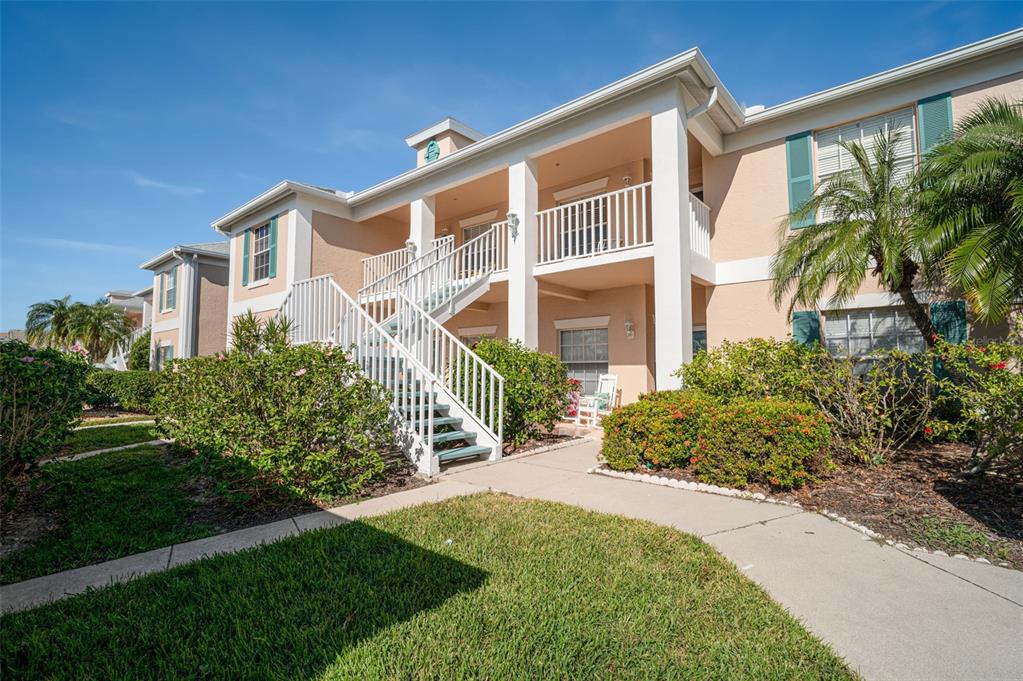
(378, 295)
(699, 226)
(474, 384)
(320, 310)
(376, 267)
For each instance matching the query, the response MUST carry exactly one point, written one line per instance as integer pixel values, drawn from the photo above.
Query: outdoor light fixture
(630, 330)
(513, 225)
(627, 180)
(410, 246)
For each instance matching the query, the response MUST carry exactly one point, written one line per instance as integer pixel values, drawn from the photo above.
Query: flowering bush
(984, 384)
(138, 356)
(300, 417)
(774, 442)
(661, 429)
(536, 388)
(40, 401)
(753, 368)
(130, 390)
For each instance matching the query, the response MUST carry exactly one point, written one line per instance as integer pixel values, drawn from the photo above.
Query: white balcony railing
(599, 224)
(379, 266)
(699, 227)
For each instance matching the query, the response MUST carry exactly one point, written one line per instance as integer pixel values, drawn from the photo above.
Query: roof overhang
(452, 124)
(177, 251)
(143, 292)
(901, 74)
(279, 191)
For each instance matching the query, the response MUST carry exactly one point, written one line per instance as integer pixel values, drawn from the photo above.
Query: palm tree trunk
(917, 312)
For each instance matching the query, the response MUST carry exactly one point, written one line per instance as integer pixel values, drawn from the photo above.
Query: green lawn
(101, 438)
(488, 586)
(107, 420)
(109, 505)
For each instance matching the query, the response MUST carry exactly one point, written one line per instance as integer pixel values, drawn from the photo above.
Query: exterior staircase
(117, 358)
(448, 404)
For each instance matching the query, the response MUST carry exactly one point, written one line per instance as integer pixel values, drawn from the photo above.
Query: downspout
(702, 108)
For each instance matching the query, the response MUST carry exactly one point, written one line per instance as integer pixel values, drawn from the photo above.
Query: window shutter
(162, 300)
(935, 115)
(806, 327)
(245, 258)
(273, 247)
(799, 159)
(170, 352)
(949, 320)
(172, 304)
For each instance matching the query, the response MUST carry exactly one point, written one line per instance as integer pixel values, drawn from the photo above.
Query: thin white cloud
(179, 189)
(75, 245)
(85, 116)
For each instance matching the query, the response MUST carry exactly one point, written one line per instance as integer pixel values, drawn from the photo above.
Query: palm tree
(865, 224)
(51, 322)
(100, 326)
(971, 206)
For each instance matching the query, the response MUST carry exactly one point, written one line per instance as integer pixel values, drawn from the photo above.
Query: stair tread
(452, 435)
(462, 452)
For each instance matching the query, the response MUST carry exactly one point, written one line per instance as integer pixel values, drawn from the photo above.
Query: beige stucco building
(620, 231)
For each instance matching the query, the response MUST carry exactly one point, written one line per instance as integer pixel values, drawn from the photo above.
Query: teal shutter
(806, 327)
(935, 116)
(245, 259)
(799, 159)
(273, 247)
(949, 319)
(173, 303)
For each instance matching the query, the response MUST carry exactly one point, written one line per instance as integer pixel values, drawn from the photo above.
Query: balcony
(609, 223)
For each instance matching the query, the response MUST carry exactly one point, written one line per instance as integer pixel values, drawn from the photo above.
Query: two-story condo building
(189, 301)
(620, 231)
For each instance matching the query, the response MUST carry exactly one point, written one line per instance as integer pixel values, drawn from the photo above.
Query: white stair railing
(699, 227)
(379, 266)
(320, 311)
(438, 283)
(118, 355)
(472, 383)
(378, 295)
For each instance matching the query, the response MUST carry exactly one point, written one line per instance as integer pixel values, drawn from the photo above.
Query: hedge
(660, 429)
(40, 402)
(138, 356)
(129, 390)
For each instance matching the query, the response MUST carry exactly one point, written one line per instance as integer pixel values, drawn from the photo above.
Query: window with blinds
(584, 351)
(832, 157)
(861, 333)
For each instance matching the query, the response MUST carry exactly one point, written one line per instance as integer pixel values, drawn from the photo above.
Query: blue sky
(127, 128)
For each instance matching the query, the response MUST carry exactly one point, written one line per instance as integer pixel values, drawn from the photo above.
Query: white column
(423, 223)
(300, 245)
(522, 288)
(188, 282)
(673, 305)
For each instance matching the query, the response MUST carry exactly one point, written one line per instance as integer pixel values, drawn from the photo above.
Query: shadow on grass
(284, 610)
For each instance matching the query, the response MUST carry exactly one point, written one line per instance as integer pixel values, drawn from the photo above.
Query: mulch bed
(918, 498)
(542, 442)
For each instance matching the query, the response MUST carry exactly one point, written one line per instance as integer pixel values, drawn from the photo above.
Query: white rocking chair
(598, 405)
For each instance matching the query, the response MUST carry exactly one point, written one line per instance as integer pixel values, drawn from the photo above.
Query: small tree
(138, 356)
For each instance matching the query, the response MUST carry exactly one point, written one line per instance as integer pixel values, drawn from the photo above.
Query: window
(584, 222)
(860, 333)
(164, 354)
(170, 289)
(585, 353)
(261, 253)
(833, 158)
(478, 258)
(699, 338)
(471, 341)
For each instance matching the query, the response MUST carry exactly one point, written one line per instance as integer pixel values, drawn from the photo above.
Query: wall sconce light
(630, 330)
(513, 225)
(627, 180)
(410, 246)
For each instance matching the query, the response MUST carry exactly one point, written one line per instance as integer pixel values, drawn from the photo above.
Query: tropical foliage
(138, 356)
(61, 323)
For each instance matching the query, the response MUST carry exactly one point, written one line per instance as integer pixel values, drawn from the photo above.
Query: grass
(487, 586)
(107, 506)
(107, 420)
(101, 438)
(955, 537)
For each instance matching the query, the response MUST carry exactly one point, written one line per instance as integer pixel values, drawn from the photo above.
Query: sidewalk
(892, 614)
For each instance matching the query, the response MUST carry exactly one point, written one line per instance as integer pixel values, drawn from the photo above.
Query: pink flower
(46, 363)
(301, 372)
(26, 359)
(221, 357)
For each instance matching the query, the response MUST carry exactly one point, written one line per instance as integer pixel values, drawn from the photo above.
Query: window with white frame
(832, 157)
(170, 289)
(476, 259)
(584, 351)
(261, 252)
(164, 355)
(862, 332)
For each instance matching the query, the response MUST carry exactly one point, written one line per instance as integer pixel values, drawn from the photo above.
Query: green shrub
(40, 402)
(130, 390)
(138, 356)
(984, 386)
(536, 388)
(660, 429)
(303, 418)
(775, 442)
(752, 368)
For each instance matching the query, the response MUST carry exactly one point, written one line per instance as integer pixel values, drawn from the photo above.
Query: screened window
(164, 354)
(170, 289)
(585, 353)
(860, 333)
(832, 157)
(261, 252)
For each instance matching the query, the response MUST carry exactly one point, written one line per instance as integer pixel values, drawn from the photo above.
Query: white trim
(480, 219)
(270, 301)
(742, 271)
(258, 283)
(166, 325)
(581, 190)
(582, 323)
(442, 126)
(279, 191)
(865, 300)
(478, 330)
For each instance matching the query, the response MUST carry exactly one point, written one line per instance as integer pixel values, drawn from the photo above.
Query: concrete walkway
(892, 614)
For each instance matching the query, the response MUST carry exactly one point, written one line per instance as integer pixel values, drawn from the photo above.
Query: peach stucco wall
(167, 337)
(278, 283)
(339, 246)
(967, 99)
(212, 321)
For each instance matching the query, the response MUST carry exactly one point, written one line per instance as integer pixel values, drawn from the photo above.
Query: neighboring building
(13, 334)
(620, 231)
(138, 306)
(132, 303)
(188, 301)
